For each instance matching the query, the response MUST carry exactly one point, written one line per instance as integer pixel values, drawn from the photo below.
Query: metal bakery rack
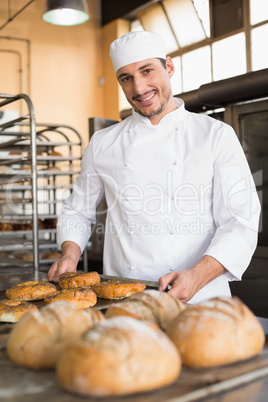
(38, 165)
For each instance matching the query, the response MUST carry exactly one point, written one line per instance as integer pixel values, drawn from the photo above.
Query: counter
(247, 380)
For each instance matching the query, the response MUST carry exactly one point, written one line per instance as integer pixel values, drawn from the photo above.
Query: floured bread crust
(118, 289)
(31, 290)
(13, 310)
(74, 280)
(119, 356)
(150, 305)
(81, 297)
(39, 337)
(216, 332)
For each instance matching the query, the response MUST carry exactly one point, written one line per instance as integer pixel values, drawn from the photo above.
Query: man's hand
(185, 284)
(67, 263)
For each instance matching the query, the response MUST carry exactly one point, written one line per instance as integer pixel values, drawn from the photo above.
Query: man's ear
(170, 66)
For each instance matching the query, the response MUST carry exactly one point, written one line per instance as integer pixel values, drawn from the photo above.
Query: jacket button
(172, 269)
(131, 267)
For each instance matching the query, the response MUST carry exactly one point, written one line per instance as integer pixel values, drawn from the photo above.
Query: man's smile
(144, 99)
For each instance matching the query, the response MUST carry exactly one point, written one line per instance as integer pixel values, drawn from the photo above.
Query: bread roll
(13, 310)
(119, 356)
(118, 289)
(216, 332)
(5, 227)
(74, 280)
(47, 254)
(150, 305)
(54, 153)
(81, 297)
(31, 290)
(37, 340)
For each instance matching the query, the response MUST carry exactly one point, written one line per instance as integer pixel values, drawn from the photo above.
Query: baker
(182, 208)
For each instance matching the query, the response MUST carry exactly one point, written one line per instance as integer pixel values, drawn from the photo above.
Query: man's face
(146, 85)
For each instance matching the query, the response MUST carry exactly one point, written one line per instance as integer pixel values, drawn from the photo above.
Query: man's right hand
(67, 263)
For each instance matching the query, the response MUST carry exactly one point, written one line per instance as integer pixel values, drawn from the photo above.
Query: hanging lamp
(66, 12)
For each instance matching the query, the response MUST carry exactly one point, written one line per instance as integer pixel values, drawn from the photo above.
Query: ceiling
(114, 9)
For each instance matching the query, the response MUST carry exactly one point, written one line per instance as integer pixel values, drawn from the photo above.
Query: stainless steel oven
(250, 121)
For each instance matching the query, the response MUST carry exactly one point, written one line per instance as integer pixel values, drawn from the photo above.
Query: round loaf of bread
(119, 356)
(13, 310)
(150, 305)
(31, 290)
(216, 332)
(74, 280)
(81, 297)
(37, 340)
(118, 289)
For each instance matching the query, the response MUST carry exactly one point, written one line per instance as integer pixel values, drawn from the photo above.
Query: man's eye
(148, 70)
(125, 79)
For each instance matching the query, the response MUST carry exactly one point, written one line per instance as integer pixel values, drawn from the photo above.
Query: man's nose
(139, 85)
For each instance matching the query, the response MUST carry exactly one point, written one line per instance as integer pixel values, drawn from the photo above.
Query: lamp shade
(66, 12)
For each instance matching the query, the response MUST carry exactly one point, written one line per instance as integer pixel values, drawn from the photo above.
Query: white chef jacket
(175, 192)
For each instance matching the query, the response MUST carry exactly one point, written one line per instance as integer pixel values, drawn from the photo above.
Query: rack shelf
(38, 165)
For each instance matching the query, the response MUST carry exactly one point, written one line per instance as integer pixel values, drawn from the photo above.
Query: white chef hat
(136, 46)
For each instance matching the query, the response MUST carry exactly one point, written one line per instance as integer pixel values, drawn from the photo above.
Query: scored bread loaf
(31, 290)
(74, 280)
(13, 310)
(216, 332)
(150, 305)
(118, 289)
(37, 340)
(81, 297)
(119, 356)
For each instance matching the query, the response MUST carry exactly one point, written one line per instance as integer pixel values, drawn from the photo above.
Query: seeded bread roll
(81, 297)
(150, 305)
(74, 280)
(119, 356)
(118, 289)
(216, 332)
(37, 340)
(13, 310)
(31, 290)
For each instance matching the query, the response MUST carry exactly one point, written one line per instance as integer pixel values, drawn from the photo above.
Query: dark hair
(163, 61)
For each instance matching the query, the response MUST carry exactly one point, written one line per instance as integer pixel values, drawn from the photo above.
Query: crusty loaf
(31, 290)
(216, 332)
(74, 280)
(37, 340)
(13, 310)
(81, 297)
(119, 356)
(151, 305)
(118, 289)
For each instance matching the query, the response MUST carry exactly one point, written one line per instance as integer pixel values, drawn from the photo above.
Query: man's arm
(185, 284)
(67, 263)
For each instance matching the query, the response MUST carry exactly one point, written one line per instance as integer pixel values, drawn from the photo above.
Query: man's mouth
(145, 99)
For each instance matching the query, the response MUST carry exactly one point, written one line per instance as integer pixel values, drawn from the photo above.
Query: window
(154, 19)
(259, 56)
(258, 11)
(182, 15)
(196, 68)
(176, 80)
(229, 57)
(207, 38)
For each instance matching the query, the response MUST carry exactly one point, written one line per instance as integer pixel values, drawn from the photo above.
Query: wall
(112, 92)
(58, 67)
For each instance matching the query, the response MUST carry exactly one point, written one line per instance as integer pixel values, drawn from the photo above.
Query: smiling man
(182, 206)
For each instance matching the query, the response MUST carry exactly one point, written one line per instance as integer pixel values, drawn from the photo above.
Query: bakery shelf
(38, 165)
(9, 131)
